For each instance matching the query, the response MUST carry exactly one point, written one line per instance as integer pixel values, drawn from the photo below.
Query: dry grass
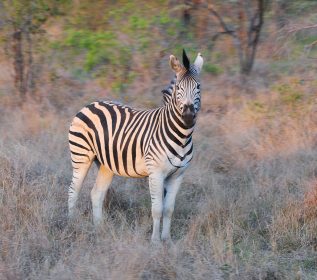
(247, 208)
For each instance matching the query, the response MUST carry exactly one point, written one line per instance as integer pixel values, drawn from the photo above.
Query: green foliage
(31, 14)
(297, 7)
(310, 263)
(145, 25)
(259, 107)
(289, 94)
(281, 67)
(226, 269)
(125, 33)
(306, 39)
(212, 68)
(59, 7)
(99, 48)
(137, 22)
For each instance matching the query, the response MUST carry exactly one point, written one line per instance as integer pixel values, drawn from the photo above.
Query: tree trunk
(17, 48)
(279, 8)
(253, 36)
(247, 60)
(29, 79)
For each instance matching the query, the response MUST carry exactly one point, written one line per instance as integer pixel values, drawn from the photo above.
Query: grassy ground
(247, 208)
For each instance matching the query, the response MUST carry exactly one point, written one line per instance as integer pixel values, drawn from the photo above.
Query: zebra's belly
(134, 168)
(122, 162)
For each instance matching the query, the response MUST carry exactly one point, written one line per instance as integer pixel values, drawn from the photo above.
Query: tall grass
(246, 210)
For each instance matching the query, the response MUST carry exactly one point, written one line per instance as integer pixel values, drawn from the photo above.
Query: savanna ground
(248, 206)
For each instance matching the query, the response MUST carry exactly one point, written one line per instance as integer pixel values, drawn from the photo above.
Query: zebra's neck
(176, 125)
(174, 136)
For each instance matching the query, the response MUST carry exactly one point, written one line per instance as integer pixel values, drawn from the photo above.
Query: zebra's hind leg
(80, 170)
(99, 192)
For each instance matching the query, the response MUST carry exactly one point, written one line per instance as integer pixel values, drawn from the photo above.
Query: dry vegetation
(247, 209)
(248, 205)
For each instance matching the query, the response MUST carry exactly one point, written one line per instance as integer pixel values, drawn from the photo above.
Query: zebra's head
(186, 92)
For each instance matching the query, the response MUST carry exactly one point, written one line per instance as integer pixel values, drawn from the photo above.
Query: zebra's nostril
(189, 113)
(189, 109)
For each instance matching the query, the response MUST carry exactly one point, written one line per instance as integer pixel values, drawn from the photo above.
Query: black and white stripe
(137, 143)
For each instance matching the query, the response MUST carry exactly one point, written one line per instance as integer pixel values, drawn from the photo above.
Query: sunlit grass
(246, 206)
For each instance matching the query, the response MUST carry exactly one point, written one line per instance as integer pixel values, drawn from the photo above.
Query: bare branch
(217, 35)
(256, 23)
(308, 49)
(296, 29)
(226, 29)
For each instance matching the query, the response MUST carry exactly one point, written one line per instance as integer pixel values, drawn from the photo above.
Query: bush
(100, 47)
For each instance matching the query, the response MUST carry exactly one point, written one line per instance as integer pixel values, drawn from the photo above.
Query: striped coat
(137, 143)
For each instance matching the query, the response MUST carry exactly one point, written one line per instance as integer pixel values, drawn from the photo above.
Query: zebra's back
(115, 135)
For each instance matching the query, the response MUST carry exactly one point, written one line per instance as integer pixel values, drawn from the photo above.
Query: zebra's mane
(168, 91)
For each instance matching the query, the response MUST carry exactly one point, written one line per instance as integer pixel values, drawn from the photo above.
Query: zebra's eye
(198, 86)
(177, 87)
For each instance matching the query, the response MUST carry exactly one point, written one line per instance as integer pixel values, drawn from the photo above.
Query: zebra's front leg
(156, 190)
(172, 185)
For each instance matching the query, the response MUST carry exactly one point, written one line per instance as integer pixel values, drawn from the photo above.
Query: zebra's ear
(186, 61)
(175, 64)
(199, 61)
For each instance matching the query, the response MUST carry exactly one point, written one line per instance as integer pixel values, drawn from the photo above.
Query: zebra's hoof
(71, 218)
(168, 242)
(98, 225)
(156, 243)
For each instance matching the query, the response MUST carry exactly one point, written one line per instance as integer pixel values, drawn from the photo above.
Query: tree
(244, 26)
(22, 20)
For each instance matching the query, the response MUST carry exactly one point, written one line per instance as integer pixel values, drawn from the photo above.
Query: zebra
(155, 143)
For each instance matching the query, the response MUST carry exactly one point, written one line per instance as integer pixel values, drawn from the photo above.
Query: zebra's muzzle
(189, 115)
